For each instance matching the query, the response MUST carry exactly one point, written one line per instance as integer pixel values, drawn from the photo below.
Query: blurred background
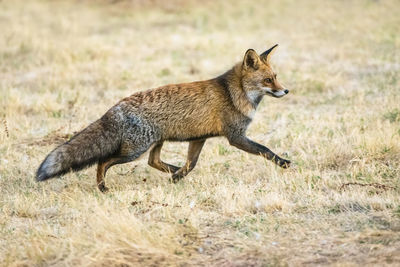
(60, 53)
(65, 63)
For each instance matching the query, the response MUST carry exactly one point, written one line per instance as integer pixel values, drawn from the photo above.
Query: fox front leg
(243, 143)
(194, 150)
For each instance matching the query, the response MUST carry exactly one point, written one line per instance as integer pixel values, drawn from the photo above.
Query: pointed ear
(251, 60)
(267, 54)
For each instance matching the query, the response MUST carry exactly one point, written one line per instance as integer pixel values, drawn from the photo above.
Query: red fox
(223, 106)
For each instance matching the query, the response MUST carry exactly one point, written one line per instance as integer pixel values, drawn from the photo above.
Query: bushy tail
(98, 141)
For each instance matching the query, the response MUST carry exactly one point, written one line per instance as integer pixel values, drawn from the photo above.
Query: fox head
(258, 78)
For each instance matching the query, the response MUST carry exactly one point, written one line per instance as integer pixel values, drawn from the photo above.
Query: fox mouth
(277, 94)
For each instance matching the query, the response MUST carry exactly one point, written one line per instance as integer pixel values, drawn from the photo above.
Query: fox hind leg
(194, 150)
(156, 162)
(126, 154)
(102, 168)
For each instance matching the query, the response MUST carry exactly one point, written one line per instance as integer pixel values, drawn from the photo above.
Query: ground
(64, 63)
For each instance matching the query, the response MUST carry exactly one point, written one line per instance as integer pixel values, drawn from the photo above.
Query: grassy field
(64, 63)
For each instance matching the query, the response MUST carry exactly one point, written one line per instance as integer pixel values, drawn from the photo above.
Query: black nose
(286, 91)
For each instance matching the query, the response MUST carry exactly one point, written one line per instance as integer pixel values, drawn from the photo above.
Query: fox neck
(232, 82)
(255, 97)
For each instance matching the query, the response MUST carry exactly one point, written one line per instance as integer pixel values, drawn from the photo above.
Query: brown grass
(64, 63)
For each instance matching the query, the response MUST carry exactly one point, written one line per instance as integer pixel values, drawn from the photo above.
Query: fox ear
(267, 54)
(251, 60)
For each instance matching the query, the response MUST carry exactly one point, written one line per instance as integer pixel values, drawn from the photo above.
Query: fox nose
(286, 91)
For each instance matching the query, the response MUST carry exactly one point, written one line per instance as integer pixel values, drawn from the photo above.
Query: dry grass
(63, 63)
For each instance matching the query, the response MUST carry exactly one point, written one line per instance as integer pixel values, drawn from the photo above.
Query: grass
(64, 63)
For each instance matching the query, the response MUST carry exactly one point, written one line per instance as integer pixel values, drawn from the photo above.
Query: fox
(187, 112)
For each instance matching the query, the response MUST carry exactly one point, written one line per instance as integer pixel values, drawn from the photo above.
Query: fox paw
(103, 188)
(284, 163)
(176, 177)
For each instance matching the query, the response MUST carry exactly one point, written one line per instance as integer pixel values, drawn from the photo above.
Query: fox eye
(268, 80)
